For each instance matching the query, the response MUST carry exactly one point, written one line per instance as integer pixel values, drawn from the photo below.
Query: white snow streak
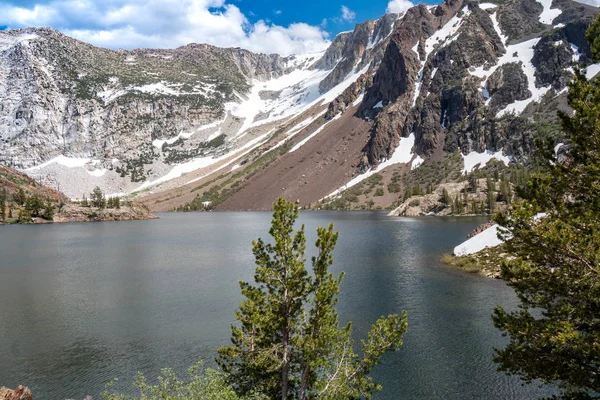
(402, 155)
(474, 158)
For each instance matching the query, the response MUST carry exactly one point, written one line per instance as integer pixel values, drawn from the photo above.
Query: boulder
(20, 393)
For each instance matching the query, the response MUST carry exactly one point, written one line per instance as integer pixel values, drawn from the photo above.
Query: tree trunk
(304, 382)
(285, 343)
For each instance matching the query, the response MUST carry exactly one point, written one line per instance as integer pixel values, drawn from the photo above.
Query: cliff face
(459, 75)
(62, 96)
(462, 76)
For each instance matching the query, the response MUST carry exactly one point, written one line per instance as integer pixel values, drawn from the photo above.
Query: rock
(506, 85)
(343, 101)
(20, 393)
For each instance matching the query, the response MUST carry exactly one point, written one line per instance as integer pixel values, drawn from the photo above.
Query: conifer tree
(288, 344)
(554, 263)
(446, 199)
(97, 198)
(49, 211)
(3, 197)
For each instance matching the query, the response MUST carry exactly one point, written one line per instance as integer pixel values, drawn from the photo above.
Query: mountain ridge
(472, 77)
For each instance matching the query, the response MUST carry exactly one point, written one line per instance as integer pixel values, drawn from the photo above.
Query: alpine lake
(84, 303)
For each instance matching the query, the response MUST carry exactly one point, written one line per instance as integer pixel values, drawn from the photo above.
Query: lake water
(84, 303)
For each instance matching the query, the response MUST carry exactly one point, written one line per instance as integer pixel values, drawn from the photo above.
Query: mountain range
(418, 98)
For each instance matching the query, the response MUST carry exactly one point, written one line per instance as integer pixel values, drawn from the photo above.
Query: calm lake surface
(84, 303)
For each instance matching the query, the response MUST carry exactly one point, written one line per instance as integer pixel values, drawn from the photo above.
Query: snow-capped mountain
(463, 76)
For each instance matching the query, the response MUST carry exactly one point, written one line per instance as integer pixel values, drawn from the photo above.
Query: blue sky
(270, 26)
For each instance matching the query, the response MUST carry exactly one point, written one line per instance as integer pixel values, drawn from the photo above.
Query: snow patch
(69, 162)
(549, 14)
(358, 100)
(416, 163)
(592, 71)
(379, 104)
(474, 158)
(487, 6)
(487, 238)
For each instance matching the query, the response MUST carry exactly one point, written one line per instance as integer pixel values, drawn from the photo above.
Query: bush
(393, 187)
(379, 192)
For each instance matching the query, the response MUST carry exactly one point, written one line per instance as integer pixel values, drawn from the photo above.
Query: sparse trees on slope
(555, 259)
(288, 343)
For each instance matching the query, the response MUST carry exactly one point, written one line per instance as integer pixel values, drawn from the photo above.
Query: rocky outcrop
(348, 96)
(429, 204)
(506, 85)
(20, 393)
(76, 213)
(520, 18)
(353, 51)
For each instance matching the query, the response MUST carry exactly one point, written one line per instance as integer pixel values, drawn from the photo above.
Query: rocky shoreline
(77, 213)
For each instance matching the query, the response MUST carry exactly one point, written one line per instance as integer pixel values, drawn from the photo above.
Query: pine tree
(3, 197)
(84, 201)
(554, 263)
(288, 343)
(473, 182)
(97, 198)
(446, 199)
(117, 202)
(49, 211)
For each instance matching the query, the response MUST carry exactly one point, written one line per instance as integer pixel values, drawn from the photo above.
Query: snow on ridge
(474, 158)
(549, 14)
(298, 92)
(402, 155)
(447, 34)
(486, 238)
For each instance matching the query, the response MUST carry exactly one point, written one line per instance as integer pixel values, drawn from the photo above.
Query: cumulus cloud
(399, 6)
(163, 24)
(347, 14)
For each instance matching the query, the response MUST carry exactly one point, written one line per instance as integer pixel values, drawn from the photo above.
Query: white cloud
(165, 24)
(347, 14)
(399, 6)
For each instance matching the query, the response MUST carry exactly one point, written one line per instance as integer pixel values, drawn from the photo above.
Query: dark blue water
(84, 303)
